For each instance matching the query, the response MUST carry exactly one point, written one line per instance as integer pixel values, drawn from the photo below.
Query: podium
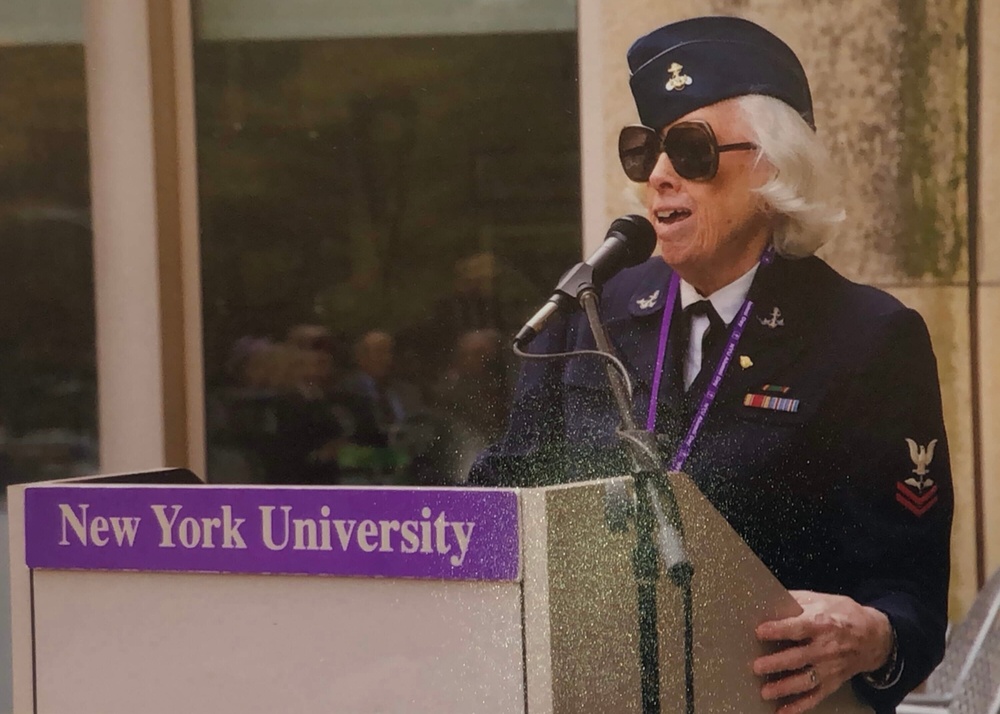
(155, 593)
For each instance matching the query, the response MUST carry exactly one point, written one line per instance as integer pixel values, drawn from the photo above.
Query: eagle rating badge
(918, 494)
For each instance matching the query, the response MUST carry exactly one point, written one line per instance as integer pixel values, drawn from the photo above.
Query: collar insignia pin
(745, 362)
(775, 320)
(648, 302)
(677, 80)
(922, 492)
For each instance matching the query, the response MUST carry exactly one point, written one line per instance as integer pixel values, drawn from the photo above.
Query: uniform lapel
(775, 334)
(634, 328)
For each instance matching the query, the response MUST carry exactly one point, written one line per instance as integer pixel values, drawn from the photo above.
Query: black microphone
(629, 241)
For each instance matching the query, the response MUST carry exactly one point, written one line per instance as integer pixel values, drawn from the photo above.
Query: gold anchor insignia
(677, 80)
(775, 320)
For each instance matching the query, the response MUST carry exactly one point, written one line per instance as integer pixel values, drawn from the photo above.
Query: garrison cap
(694, 63)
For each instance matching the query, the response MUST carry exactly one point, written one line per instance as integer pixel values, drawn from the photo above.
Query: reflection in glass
(48, 409)
(379, 215)
(47, 384)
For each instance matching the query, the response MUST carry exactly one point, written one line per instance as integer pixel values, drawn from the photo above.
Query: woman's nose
(663, 175)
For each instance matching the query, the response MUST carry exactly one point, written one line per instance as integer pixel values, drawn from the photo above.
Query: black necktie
(711, 341)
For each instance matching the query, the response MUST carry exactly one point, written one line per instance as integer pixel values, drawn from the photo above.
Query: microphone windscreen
(630, 240)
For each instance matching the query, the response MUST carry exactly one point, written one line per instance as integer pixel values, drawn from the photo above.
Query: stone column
(140, 112)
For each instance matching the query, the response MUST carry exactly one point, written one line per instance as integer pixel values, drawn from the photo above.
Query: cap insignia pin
(677, 80)
(745, 362)
(648, 302)
(775, 320)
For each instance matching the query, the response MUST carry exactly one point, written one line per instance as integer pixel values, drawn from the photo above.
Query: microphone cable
(565, 355)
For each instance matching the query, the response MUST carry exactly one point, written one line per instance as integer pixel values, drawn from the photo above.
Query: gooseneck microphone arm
(643, 458)
(659, 533)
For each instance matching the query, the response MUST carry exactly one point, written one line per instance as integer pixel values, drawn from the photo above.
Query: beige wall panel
(989, 142)
(989, 381)
(946, 311)
(880, 122)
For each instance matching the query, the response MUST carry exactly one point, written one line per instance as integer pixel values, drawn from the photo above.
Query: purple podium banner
(440, 533)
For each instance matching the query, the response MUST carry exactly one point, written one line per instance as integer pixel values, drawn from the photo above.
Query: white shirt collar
(727, 300)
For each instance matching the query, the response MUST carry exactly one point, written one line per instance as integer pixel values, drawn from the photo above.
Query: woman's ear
(762, 171)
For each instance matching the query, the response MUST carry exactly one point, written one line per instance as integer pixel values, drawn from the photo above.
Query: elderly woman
(824, 444)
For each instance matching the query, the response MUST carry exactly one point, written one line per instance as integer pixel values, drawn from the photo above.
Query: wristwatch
(889, 673)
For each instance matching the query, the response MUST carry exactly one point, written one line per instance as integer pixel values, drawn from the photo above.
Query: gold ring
(813, 677)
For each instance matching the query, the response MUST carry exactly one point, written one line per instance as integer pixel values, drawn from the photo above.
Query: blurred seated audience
(279, 417)
(292, 413)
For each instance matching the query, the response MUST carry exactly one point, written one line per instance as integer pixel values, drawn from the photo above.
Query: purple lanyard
(720, 369)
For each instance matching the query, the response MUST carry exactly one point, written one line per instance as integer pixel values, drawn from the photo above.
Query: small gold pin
(677, 80)
(745, 362)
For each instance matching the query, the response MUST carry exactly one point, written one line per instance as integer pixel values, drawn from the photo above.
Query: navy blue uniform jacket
(850, 494)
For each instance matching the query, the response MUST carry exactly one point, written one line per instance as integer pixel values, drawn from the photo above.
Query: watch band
(889, 673)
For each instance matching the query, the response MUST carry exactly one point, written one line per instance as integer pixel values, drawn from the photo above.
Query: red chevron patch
(916, 504)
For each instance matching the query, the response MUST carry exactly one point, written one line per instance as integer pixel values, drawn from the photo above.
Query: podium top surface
(439, 533)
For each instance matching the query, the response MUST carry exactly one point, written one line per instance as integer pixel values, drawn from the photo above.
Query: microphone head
(630, 240)
(639, 237)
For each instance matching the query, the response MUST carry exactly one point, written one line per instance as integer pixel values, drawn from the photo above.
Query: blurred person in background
(278, 423)
(380, 406)
(472, 395)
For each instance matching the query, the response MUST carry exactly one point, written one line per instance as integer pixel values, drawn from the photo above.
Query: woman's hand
(832, 640)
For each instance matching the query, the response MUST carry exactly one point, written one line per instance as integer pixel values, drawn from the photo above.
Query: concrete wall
(890, 87)
(989, 275)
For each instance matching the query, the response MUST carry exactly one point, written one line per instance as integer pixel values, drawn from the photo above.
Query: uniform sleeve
(897, 498)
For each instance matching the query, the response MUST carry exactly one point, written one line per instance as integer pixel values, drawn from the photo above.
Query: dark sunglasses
(690, 145)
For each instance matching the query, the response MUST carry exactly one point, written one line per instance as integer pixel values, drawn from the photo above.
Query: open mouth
(672, 216)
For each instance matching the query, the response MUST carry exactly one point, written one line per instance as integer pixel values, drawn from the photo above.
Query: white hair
(804, 189)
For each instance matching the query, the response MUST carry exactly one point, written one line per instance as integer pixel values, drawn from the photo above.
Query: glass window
(47, 384)
(381, 209)
(48, 409)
